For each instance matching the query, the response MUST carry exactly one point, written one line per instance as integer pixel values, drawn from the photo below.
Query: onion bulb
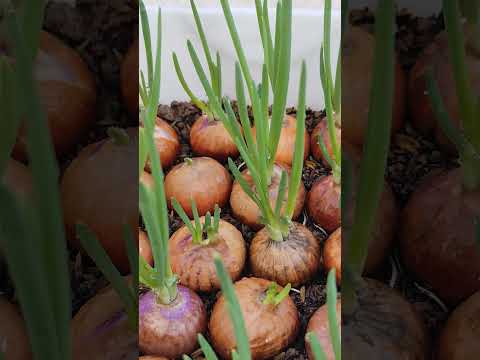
(13, 333)
(144, 248)
(247, 211)
(270, 329)
(294, 260)
(166, 142)
(210, 138)
(286, 144)
(170, 330)
(100, 189)
(193, 263)
(129, 78)
(67, 93)
(320, 327)
(459, 339)
(321, 131)
(332, 254)
(357, 66)
(202, 179)
(101, 330)
(323, 203)
(383, 325)
(437, 239)
(436, 57)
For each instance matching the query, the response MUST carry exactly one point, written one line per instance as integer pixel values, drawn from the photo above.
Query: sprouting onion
(32, 233)
(259, 153)
(165, 305)
(192, 249)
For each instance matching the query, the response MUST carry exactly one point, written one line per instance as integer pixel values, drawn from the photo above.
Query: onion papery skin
(269, 329)
(210, 138)
(437, 58)
(321, 131)
(247, 211)
(17, 178)
(319, 325)
(100, 190)
(357, 66)
(194, 264)
(383, 232)
(166, 142)
(438, 236)
(323, 203)
(144, 248)
(171, 330)
(294, 260)
(129, 78)
(101, 329)
(205, 180)
(286, 144)
(67, 93)
(459, 339)
(383, 326)
(13, 333)
(332, 254)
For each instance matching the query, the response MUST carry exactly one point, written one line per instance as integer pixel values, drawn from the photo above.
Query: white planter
(178, 26)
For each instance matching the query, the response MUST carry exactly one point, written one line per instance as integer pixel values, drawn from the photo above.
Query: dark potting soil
(411, 157)
(181, 115)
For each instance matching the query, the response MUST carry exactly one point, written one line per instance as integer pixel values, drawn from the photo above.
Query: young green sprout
(215, 69)
(165, 305)
(202, 234)
(332, 94)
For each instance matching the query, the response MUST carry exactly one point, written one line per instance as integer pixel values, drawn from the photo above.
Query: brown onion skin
(383, 326)
(67, 93)
(319, 325)
(294, 260)
(321, 130)
(269, 329)
(211, 139)
(101, 330)
(171, 330)
(247, 211)
(100, 189)
(205, 180)
(18, 178)
(357, 66)
(13, 333)
(194, 264)
(144, 248)
(437, 238)
(332, 254)
(323, 203)
(383, 236)
(286, 144)
(129, 78)
(166, 142)
(459, 339)
(436, 57)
